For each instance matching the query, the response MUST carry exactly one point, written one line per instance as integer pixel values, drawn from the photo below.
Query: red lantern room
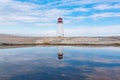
(60, 20)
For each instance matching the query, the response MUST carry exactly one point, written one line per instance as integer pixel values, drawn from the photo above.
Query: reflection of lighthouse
(60, 31)
(60, 52)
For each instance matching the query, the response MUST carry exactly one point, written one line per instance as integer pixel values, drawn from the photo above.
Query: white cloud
(16, 12)
(94, 31)
(46, 24)
(20, 13)
(94, 16)
(5, 1)
(107, 6)
(83, 2)
(81, 9)
(76, 19)
(104, 15)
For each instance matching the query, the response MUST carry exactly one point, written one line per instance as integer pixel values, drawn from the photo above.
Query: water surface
(60, 63)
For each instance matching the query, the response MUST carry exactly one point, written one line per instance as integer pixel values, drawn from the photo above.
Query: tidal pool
(60, 63)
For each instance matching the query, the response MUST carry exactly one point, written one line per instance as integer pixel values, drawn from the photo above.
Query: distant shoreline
(9, 40)
(54, 44)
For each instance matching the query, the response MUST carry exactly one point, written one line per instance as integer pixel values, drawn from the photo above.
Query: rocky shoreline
(21, 40)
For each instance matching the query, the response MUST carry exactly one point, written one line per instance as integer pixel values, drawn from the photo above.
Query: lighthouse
(60, 31)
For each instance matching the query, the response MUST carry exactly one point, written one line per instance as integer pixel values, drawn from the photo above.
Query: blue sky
(81, 17)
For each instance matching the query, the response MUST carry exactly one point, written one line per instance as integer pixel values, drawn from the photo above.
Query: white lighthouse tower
(60, 31)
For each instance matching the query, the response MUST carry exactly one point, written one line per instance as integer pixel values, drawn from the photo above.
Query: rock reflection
(60, 52)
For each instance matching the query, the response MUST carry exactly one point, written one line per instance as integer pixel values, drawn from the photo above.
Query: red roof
(60, 20)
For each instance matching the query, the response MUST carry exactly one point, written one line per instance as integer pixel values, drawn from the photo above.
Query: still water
(60, 63)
